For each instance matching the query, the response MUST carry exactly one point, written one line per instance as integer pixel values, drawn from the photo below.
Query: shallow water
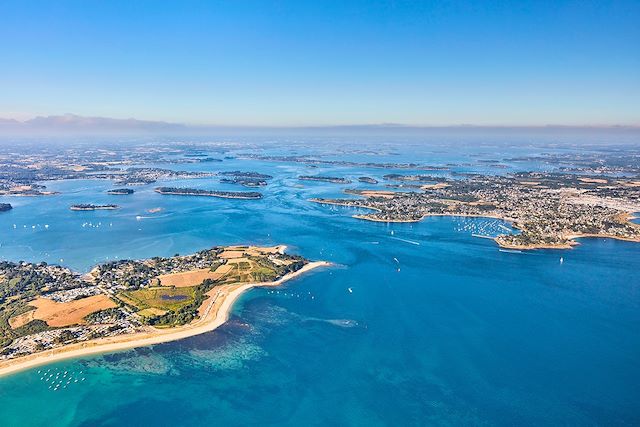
(414, 324)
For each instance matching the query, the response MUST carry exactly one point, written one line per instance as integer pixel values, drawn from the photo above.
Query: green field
(164, 298)
(247, 272)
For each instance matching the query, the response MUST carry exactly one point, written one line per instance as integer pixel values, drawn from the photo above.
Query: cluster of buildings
(22, 282)
(67, 295)
(50, 339)
(132, 274)
(548, 209)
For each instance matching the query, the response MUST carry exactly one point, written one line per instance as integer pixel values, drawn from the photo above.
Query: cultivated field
(231, 254)
(193, 278)
(189, 278)
(59, 314)
(21, 319)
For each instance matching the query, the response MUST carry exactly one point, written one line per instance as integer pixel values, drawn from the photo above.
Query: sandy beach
(215, 313)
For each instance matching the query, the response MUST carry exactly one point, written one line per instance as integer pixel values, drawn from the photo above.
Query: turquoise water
(415, 324)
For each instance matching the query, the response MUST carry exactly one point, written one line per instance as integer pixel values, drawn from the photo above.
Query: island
(201, 158)
(549, 210)
(209, 193)
(332, 179)
(255, 175)
(91, 207)
(4, 207)
(368, 180)
(246, 179)
(245, 182)
(120, 191)
(49, 312)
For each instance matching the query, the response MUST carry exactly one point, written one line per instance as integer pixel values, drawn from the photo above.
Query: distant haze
(75, 125)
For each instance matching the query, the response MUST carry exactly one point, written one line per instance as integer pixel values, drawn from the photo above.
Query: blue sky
(284, 63)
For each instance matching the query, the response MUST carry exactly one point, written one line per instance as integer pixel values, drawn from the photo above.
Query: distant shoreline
(569, 245)
(216, 314)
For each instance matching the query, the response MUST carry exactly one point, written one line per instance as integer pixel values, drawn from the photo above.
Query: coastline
(569, 245)
(367, 218)
(216, 314)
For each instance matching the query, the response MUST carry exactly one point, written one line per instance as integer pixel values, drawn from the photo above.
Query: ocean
(414, 324)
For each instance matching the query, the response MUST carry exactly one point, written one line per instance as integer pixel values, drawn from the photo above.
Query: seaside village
(548, 210)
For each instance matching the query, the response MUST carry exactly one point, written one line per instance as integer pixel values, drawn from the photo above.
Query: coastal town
(549, 210)
(46, 307)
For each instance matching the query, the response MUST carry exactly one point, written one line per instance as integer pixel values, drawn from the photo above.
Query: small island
(332, 179)
(368, 180)
(246, 179)
(209, 193)
(120, 191)
(255, 175)
(5, 207)
(90, 207)
(245, 182)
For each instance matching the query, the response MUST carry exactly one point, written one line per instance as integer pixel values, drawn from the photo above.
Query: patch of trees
(187, 313)
(32, 327)
(65, 335)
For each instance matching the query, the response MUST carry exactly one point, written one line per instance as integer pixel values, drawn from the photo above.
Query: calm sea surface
(416, 324)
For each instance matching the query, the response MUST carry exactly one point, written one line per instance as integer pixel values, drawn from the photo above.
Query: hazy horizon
(77, 126)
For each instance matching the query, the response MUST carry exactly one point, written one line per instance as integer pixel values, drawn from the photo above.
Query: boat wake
(406, 241)
(510, 251)
(141, 217)
(342, 323)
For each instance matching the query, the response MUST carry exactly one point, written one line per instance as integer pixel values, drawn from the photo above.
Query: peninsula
(210, 193)
(550, 210)
(49, 312)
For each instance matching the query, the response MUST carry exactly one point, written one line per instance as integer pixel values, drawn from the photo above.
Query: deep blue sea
(415, 324)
